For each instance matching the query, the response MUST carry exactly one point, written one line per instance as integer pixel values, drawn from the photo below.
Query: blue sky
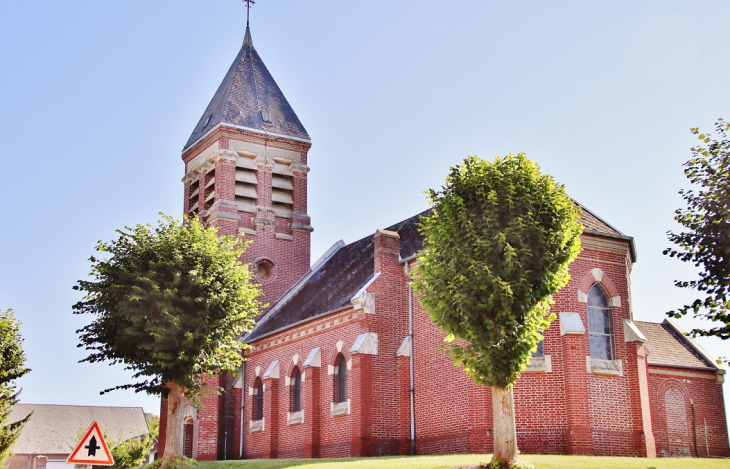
(98, 98)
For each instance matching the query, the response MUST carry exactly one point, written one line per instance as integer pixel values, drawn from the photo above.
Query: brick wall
(373, 425)
(673, 394)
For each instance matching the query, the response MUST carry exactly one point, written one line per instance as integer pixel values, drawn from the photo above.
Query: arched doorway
(188, 437)
(678, 434)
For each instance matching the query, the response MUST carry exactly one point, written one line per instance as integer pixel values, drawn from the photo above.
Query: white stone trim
(571, 324)
(339, 346)
(364, 302)
(405, 348)
(222, 155)
(258, 371)
(597, 274)
(339, 408)
(680, 373)
(632, 333)
(295, 358)
(238, 383)
(330, 369)
(366, 343)
(273, 370)
(190, 411)
(616, 301)
(582, 297)
(295, 418)
(604, 367)
(256, 426)
(314, 359)
(540, 365)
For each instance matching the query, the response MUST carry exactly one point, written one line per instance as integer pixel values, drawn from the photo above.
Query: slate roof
(332, 284)
(668, 347)
(247, 89)
(52, 429)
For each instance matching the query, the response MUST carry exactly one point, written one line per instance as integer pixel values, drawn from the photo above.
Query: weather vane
(248, 8)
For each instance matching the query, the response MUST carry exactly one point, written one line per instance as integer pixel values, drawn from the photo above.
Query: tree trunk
(174, 435)
(505, 433)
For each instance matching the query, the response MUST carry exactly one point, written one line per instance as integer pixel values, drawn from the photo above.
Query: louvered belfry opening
(246, 182)
(282, 188)
(209, 186)
(194, 195)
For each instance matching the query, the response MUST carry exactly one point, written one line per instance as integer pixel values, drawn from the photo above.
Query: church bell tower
(246, 172)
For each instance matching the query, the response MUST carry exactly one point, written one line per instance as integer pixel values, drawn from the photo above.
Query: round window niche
(264, 269)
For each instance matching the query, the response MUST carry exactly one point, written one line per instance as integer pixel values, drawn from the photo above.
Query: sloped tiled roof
(592, 222)
(53, 429)
(247, 89)
(333, 284)
(668, 347)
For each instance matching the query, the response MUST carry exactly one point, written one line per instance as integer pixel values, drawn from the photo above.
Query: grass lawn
(471, 460)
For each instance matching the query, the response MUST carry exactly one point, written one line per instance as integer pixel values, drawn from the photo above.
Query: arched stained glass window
(295, 396)
(257, 408)
(339, 380)
(600, 324)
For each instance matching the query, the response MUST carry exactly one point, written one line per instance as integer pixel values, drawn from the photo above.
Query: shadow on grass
(409, 462)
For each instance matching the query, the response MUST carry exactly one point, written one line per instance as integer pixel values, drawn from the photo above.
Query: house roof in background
(53, 429)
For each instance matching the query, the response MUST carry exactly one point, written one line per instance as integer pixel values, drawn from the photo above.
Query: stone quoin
(345, 362)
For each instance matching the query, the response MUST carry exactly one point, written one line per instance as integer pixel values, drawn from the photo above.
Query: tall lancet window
(295, 392)
(600, 324)
(339, 380)
(257, 409)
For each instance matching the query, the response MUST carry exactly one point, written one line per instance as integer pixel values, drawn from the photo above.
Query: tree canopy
(153, 424)
(12, 367)
(498, 242)
(168, 302)
(706, 239)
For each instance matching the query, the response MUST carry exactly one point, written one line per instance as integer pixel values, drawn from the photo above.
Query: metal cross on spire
(248, 8)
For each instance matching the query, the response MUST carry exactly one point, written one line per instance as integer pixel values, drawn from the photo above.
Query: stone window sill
(604, 367)
(340, 408)
(295, 418)
(256, 426)
(540, 365)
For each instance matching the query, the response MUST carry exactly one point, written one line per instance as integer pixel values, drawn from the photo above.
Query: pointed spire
(247, 41)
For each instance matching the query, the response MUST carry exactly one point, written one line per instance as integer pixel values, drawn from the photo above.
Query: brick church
(345, 362)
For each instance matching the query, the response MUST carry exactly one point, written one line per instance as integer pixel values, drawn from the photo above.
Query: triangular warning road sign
(92, 449)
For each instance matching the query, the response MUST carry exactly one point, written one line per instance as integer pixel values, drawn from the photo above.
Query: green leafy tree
(497, 245)
(12, 367)
(706, 241)
(153, 423)
(127, 454)
(169, 303)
